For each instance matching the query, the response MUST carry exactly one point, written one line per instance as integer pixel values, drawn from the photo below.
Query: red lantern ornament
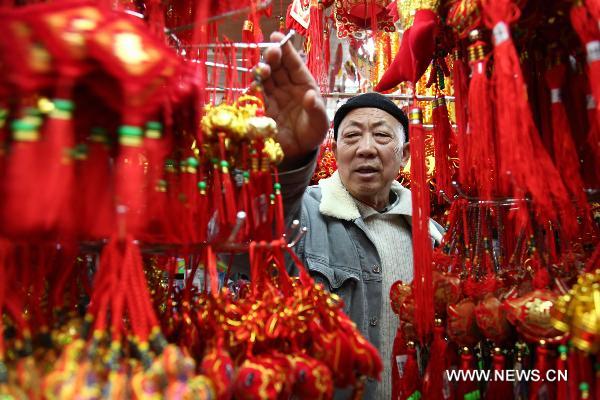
(352, 16)
(531, 315)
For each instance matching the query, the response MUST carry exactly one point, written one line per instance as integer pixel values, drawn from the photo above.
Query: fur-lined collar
(338, 203)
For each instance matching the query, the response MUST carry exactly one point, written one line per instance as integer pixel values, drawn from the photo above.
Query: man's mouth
(366, 170)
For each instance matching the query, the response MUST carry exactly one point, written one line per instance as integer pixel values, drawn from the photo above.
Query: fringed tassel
(467, 389)
(251, 56)
(593, 137)
(21, 210)
(337, 65)
(130, 179)
(279, 216)
(499, 389)
(525, 168)
(189, 190)
(562, 385)
(461, 92)
(96, 190)
(315, 54)
(565, 152)
(399, 350)
(540, 389)
(410, 382)
(480, 151)
(434, 384)
(326, 56)
(441, 135)
(588, 30)
(228, 189)
(156, 150)
(58, 173)
(423, 279)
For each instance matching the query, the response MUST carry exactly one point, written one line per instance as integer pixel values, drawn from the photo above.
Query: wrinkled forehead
(368, 117)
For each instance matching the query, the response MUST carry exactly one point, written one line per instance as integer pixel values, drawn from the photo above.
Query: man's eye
(351, 134)
(382, 134)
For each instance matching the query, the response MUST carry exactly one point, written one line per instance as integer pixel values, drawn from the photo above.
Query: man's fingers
(272, 57)
(315, 109)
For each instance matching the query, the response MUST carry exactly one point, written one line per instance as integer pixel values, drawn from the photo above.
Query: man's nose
(366, 146)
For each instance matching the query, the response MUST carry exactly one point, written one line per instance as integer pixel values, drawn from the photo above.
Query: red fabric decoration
(543, 362)
(315, 43)
(524, 168)
(415, 53)
(588, 31)
(480, 136)
(460, 78)
(466, 387)
(312, 379)
(410, 381)
(562, 386)
(434, 384)
(22, 215)
(422, 249)
(57, 180)
(298, 16)
(96, 190)
(399, 350)
(352, 16)
(565, 152)
(499, 389)
(441, 139)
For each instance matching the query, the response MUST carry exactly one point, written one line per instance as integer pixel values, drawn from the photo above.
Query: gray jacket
(336, 249)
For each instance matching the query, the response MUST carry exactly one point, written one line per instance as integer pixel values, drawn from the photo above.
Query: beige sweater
(391, 235)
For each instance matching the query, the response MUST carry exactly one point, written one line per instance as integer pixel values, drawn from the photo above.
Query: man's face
(369, 152)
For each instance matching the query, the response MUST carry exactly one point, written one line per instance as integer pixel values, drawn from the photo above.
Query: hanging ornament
(352, 16)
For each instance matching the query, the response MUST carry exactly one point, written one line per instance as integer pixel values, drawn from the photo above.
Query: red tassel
(228, 189)
(97, 214)
(499, 389)
(337, 64)
(423, 278)
(562, 386)
(480, 150)
(434, 383)
(540, 389)
(460, 78)
(314, 45)
(250, 33)
(410, 381)
(399, 350)
(588, 30)
(58, 173)
(189, 191)
(525, 168)
(466, 387)
(593, 137)
(156, 150)
(21, 207)
(326, 56)
(130, 179)
(441, 134)
(565, 152)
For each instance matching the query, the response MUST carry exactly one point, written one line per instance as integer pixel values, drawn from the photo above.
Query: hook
(292, 228)
(501, 201)
(299, 236)
(239, 221)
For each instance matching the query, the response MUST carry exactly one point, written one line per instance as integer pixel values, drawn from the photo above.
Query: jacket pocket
(337, 280)
(335, 277)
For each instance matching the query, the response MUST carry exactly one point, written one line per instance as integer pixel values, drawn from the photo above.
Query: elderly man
(359, 238)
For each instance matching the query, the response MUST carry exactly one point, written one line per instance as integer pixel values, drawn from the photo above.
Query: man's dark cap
(371, 100)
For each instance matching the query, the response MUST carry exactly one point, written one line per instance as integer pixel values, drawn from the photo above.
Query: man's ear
(405, 153)
(334, 148)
